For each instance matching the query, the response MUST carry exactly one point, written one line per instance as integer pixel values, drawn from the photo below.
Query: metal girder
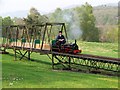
(69, 61)
(55, 23)
(22, 55)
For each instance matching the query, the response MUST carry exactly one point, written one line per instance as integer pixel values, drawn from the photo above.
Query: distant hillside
(106, 15)
(19, 14)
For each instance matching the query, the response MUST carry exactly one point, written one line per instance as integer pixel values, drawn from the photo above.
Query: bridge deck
(81, 56)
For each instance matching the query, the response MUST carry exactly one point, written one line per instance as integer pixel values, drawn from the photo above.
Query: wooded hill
(107, 22)
(106, 15)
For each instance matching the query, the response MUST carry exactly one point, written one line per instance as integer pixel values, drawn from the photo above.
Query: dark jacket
(61, 37)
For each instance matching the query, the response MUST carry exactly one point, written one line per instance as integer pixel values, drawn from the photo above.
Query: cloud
(44, 5)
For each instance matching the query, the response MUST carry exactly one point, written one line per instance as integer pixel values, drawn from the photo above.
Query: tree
(0, 20)
(109, 34)
(34, 17)
(87, 24)
(7, 21)
(0, 26)
(56, 16)
(18, 21)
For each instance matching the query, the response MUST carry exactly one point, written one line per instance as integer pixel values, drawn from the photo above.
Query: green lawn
(102, 49)
(39, 73)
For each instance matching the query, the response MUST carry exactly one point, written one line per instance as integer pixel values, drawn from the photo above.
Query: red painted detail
(77, 51)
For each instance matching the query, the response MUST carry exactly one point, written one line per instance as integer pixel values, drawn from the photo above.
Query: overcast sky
(45, 5)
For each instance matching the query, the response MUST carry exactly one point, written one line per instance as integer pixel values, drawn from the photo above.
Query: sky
(46, 5)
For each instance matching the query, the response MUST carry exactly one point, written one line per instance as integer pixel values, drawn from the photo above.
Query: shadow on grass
(31, 59)
(102, 72)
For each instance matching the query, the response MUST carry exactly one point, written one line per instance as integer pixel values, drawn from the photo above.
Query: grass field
(39, 73)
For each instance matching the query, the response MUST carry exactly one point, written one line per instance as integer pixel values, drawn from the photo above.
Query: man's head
(60, 32)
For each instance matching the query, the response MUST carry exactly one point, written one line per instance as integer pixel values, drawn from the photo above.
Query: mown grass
(101, 49)
(39, 73)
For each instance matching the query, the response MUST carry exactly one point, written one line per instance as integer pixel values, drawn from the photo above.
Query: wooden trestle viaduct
(38, 39)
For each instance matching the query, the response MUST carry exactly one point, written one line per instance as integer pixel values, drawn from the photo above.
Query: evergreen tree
(87, 24)
(34, 17)
(7, 21)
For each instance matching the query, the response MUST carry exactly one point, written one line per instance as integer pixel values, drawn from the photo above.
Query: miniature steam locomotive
(65, 48)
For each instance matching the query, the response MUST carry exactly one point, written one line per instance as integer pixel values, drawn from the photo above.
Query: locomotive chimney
(75, 41)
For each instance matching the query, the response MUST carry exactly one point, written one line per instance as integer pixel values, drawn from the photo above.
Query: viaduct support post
(53, 61)
(28, 55)
(15, 54)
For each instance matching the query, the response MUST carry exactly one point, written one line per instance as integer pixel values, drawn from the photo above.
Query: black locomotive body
(65, 48)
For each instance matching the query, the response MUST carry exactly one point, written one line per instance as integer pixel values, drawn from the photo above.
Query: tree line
(80, 23)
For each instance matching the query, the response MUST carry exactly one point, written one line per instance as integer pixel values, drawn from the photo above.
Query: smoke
(75, 32)
(67, 17)
(73, 26)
